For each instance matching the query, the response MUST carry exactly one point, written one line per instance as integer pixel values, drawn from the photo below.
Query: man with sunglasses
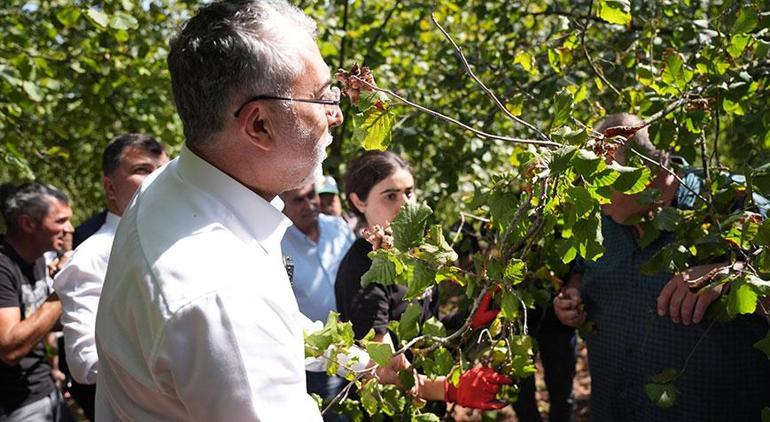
(197, 319)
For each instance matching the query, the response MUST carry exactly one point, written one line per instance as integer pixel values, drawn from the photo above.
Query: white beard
(319, 156)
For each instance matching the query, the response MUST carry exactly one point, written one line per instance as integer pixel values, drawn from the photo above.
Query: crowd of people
(189, 296)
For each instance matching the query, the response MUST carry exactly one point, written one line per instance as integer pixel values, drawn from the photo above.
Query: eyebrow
(396, 190)
(324, 86)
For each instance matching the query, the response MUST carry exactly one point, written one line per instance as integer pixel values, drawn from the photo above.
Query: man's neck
(312, 232)
(27, 252)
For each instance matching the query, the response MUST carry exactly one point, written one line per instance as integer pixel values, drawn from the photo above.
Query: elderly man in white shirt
(197, 319)
(126, 161)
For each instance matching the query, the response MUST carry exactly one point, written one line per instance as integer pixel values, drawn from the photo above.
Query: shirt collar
(111, 220)
(263, 220)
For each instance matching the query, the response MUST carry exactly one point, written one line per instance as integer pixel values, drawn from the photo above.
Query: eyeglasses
(331, 102)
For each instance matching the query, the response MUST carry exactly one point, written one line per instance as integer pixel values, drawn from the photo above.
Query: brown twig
(599, 74)
(481, 84)
(444, 117)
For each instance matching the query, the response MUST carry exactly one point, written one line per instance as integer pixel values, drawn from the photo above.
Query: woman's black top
(374, 305)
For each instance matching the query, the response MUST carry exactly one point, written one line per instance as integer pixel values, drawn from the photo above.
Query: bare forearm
(431, 389)
(25, 334)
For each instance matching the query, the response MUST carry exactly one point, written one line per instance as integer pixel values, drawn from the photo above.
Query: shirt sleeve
(9, 294)
(231, 356)
(354, 359)
(79, 290)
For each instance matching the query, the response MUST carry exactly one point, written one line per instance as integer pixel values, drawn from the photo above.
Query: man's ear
(109, 188)
(27, 223)
(253, 122)
(357, 202)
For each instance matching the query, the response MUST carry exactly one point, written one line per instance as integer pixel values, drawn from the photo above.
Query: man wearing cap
(316, 244)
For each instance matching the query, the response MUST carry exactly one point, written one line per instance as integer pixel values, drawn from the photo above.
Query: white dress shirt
(316, 264)
(197, 320)
(79, 285)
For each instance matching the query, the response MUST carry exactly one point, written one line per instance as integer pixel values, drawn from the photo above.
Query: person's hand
(568, 307)
(477, 389)
(677, 300)
(484, 316)
(389, 374)
(57, 264)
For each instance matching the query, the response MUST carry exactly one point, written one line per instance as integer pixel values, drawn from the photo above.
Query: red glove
(484, 316)
(477, 389)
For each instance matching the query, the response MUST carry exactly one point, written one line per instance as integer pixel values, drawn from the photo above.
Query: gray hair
(31, 199)
(639, 142)
(229, 50)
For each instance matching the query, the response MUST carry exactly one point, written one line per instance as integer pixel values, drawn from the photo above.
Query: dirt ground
(581, 390)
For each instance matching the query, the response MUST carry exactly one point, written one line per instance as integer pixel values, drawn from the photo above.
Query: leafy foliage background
(75, 74)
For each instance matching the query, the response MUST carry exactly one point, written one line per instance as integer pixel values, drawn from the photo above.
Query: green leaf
(667, 219)
(409, 225)
(381, 353)
(527, 62)
(631, 180)
(763, 345)
(762, 237)
(435, 249)
(427, 417)
(509, 306)
(514, 271)
(561, 158)
(370, 397)
(662, 395)
(742, 299)
(676, 73)
(407, 379)
(442, 362)
(420, 277)
(123, 21)
(765, 415)
(587, 237)
(665, 376)
(372, 128)
(382, 271)
(516, 105)
(434, 328)
(392, 400)
(68, 15)
(586, 163)
(409, 324)
(33, 91)
(747, 20)
(760, 179)
(99, 18)
(615, 11)
(738, 43)
(562, 108)
(581, 200)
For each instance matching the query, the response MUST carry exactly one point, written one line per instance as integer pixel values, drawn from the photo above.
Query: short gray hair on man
(233, 49)
(640, 142)
(31, 199)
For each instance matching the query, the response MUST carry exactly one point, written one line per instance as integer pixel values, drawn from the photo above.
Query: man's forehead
(316, 72)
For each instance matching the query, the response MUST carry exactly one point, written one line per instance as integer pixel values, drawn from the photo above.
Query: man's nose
(336, 119)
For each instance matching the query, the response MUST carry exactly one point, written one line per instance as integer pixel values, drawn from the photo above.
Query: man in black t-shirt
(37, 217)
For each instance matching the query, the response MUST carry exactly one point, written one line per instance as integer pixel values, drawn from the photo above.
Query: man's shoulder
(8, 263)
(335, 226)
